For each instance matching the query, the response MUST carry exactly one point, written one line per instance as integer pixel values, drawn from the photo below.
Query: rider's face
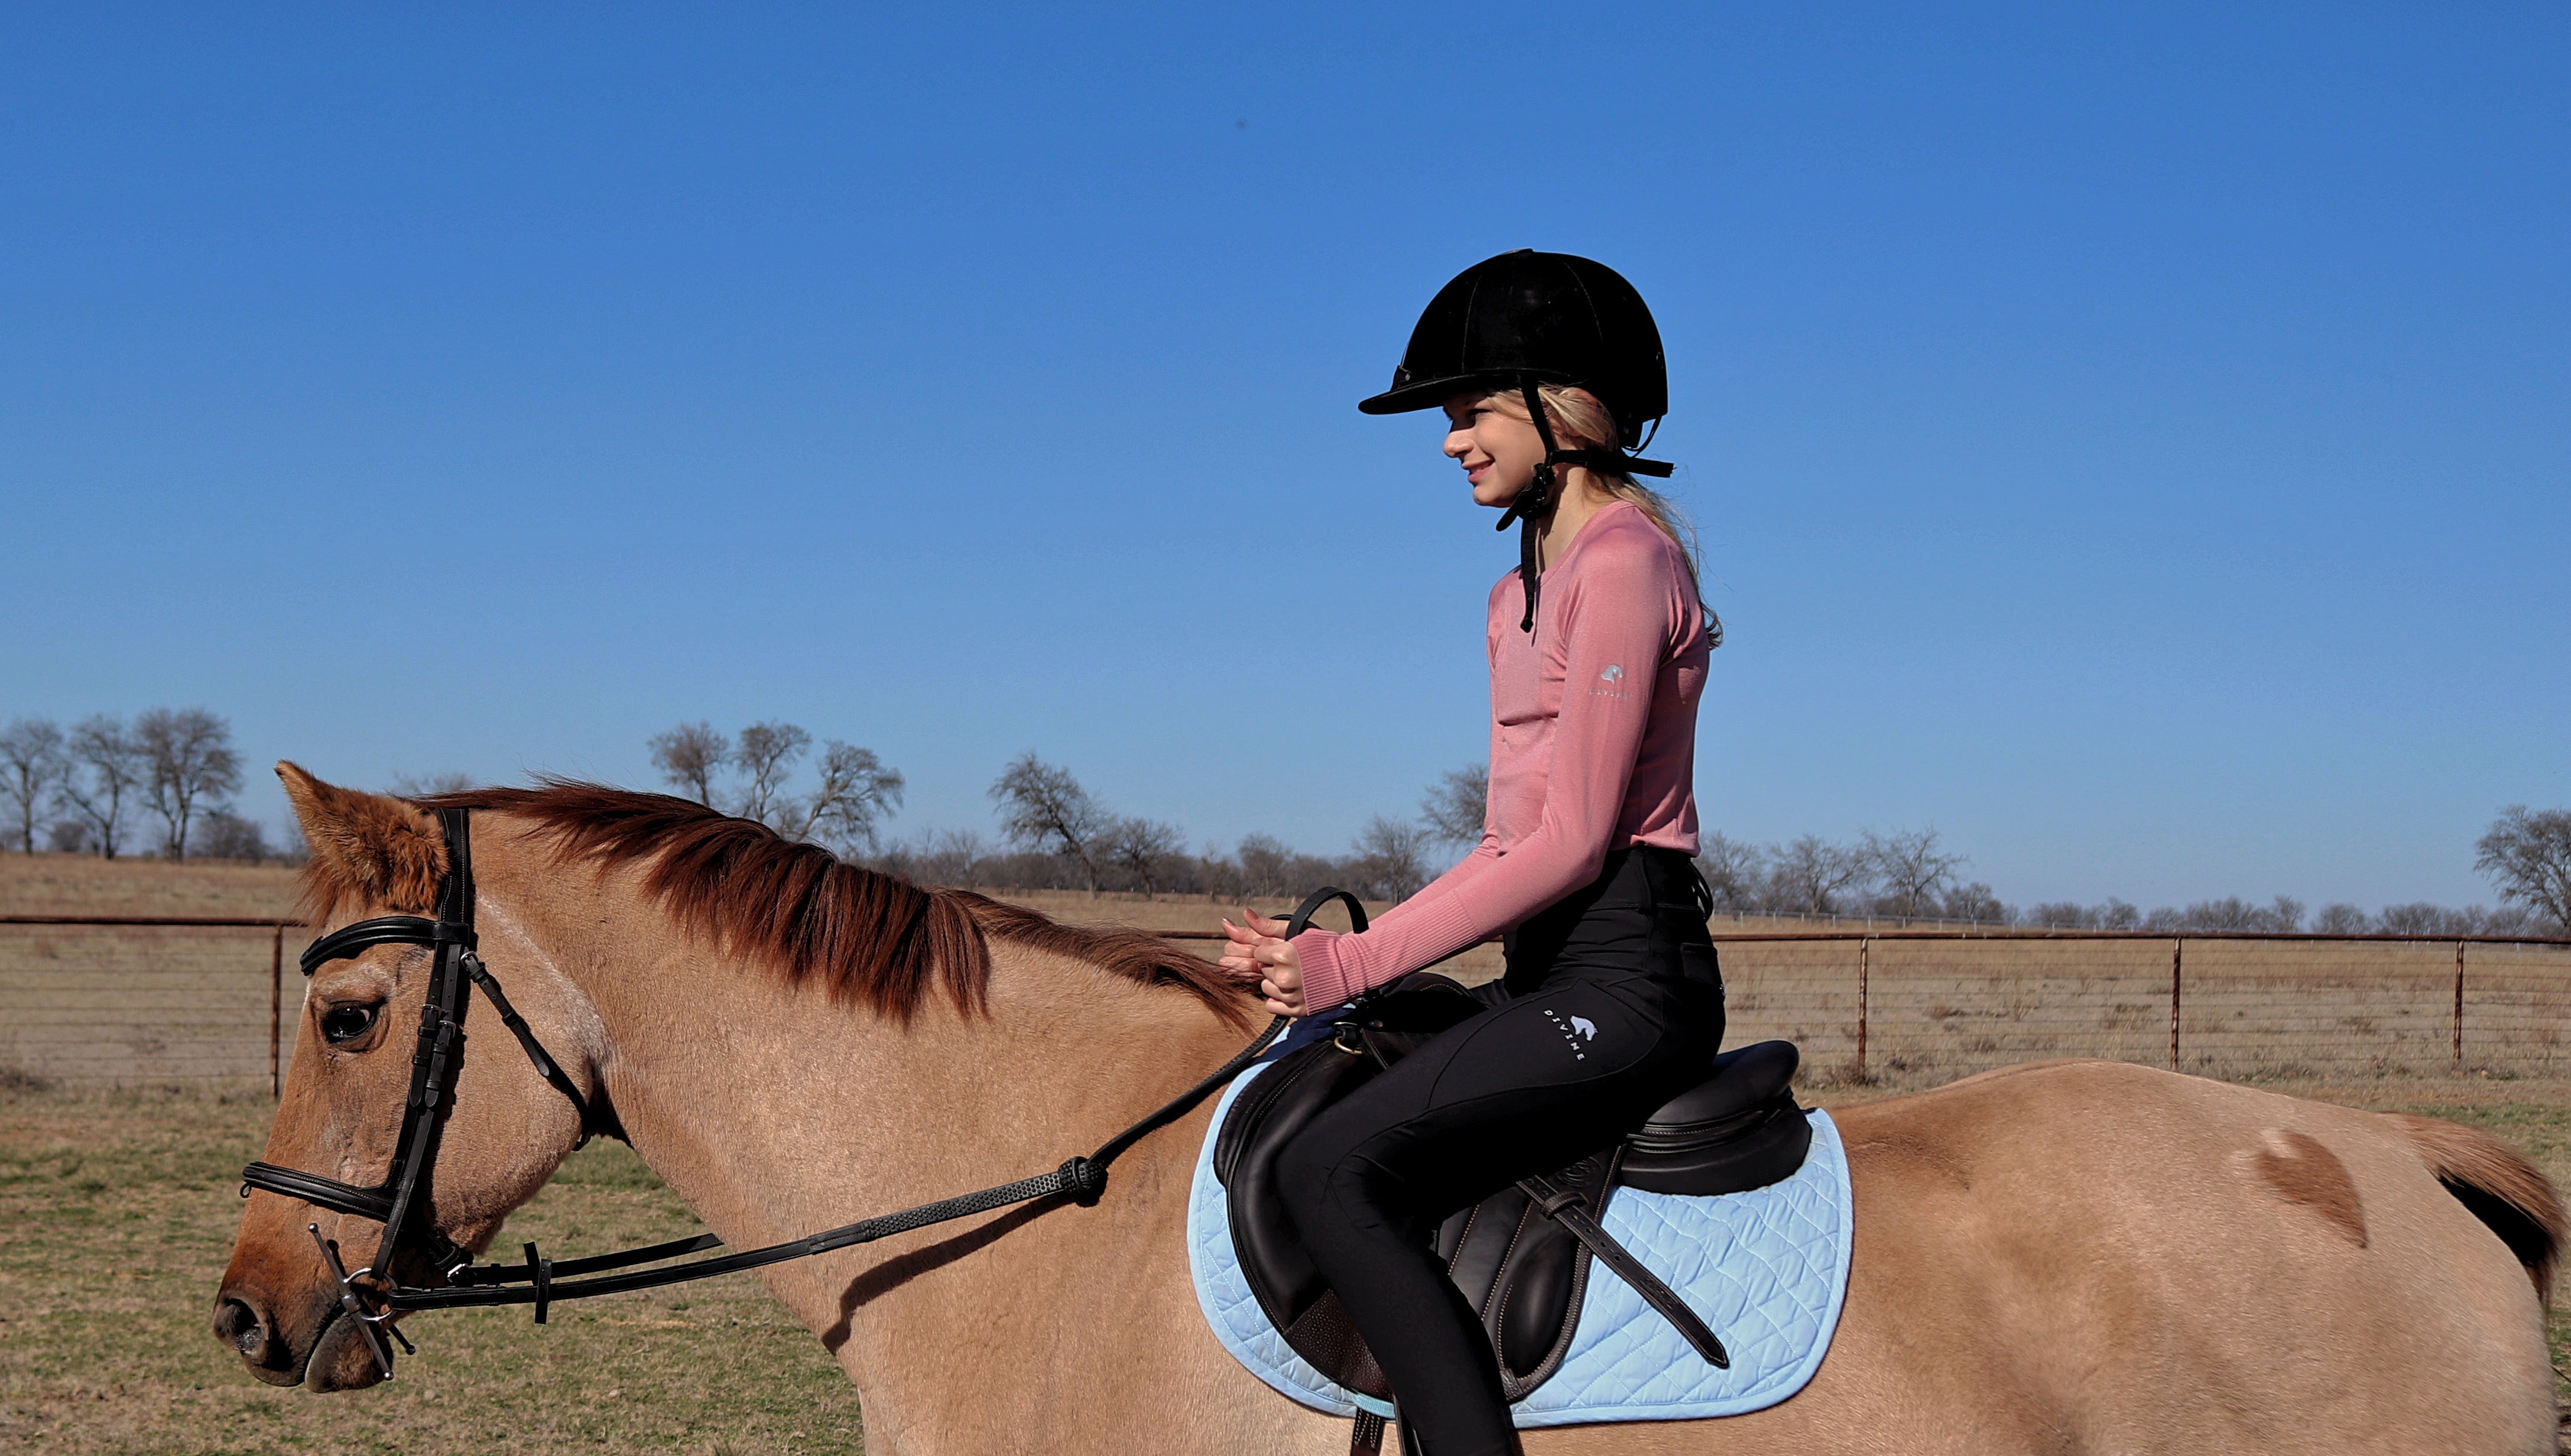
(1498, 448)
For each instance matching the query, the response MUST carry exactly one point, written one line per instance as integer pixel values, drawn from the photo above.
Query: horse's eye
(346, 1023)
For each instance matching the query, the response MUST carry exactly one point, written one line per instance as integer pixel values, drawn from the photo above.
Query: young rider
(1548, 367)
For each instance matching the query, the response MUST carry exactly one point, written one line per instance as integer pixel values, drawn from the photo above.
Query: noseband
(401, 1203)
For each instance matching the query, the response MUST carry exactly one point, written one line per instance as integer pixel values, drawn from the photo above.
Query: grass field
(117, 1213)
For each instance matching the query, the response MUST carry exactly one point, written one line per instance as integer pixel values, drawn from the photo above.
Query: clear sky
(2131, 439)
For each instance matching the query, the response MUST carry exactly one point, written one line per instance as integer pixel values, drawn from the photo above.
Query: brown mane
(871, 938)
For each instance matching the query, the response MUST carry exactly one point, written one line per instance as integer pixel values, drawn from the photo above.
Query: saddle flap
(1262, 1120)
(1524, 1272)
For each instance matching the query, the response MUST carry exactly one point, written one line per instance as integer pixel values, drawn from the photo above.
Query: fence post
(275, 1011)
(2459, 1004)
(2174, 984)
(1864, 947)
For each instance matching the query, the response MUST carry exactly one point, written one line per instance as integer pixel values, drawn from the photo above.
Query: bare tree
(856, 792)
(1043, 808)
(2343, 919)
(32, 765)
(766, 753)
(2527, 856)
(2419, 917)
(690, 755)
(1810, 874)
(227, 836)
(107, 770)
(1974, 902)
(947, 857)
(1266, 866)
(429, 785)
(1911, 869)
(1143, 849)
(1458, 804)
(1732, 870)
(1392, 858)
(188, 756)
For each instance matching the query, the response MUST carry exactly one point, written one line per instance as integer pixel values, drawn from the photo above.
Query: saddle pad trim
(1768, 1269)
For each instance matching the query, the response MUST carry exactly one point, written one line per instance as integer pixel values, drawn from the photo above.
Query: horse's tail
(2500, 1187)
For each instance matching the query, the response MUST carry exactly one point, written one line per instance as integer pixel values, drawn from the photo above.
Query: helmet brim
(1430, 393)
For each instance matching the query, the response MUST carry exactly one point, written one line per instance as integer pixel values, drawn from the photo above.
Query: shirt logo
(1588, 1029)
(1615, 673)
(1610, 682)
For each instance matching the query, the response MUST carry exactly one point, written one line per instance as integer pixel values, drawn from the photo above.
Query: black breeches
(1614, 1007)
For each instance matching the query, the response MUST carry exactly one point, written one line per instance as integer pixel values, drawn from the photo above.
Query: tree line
(162, 783)
(2526, 854)
(1054, 833)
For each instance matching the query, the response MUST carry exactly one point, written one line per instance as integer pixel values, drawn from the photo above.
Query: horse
(2067, 1257)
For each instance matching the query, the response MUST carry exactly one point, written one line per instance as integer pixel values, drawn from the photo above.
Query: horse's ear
(379, 849)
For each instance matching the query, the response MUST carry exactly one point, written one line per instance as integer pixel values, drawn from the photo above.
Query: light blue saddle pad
(1766, 1268)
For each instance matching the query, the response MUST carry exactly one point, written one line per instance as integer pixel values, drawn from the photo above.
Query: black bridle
(402, 1202)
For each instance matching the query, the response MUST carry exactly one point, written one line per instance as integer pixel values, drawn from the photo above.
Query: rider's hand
(1254, 951)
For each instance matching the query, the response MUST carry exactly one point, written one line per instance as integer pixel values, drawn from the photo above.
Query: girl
(1547, 366)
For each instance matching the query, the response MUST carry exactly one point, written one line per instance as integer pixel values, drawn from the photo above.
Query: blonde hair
(1580, 423)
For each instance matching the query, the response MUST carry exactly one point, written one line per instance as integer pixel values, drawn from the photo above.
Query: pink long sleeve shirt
(1593, 748)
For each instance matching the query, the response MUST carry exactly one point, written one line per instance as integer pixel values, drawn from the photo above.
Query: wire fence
(176, 999)
(1921, 1007)
(145, 999)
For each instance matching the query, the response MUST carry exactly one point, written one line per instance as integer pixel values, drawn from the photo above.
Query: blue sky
(2131, 440)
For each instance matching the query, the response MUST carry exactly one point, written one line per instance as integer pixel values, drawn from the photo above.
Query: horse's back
(2094, 1256)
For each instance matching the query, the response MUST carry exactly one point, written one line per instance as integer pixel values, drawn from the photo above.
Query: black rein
(540, 1281)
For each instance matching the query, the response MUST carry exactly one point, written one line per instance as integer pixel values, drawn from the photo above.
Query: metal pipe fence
(153, 999)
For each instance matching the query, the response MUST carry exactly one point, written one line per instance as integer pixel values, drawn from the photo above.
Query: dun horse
(2073, 1256)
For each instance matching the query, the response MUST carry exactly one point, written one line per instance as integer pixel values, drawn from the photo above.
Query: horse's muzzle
(242, 1323)
(331, 1355)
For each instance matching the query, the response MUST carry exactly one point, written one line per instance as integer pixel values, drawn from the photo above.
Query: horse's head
(341, 1115)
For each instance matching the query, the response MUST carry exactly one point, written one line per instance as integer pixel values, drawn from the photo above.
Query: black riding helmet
(1528, 318)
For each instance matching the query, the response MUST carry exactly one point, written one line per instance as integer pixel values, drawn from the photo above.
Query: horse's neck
(778, 1113)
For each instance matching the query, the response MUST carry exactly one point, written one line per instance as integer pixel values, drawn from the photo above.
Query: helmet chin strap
(1535, 503)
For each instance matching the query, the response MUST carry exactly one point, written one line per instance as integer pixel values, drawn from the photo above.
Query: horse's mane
(870, 938)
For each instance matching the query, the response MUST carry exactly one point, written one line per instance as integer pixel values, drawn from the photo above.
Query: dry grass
(117, 1213)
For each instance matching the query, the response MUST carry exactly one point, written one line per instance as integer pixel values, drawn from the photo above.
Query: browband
(366, 935)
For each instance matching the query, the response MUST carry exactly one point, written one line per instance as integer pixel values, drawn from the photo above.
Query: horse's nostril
(238, 1325)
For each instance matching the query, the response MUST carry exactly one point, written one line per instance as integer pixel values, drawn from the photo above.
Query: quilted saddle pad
(1767, 1269)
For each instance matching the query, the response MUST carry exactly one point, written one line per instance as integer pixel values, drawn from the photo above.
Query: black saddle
(1521, 1256)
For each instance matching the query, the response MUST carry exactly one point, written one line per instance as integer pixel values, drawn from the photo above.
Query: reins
(541, 1282)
